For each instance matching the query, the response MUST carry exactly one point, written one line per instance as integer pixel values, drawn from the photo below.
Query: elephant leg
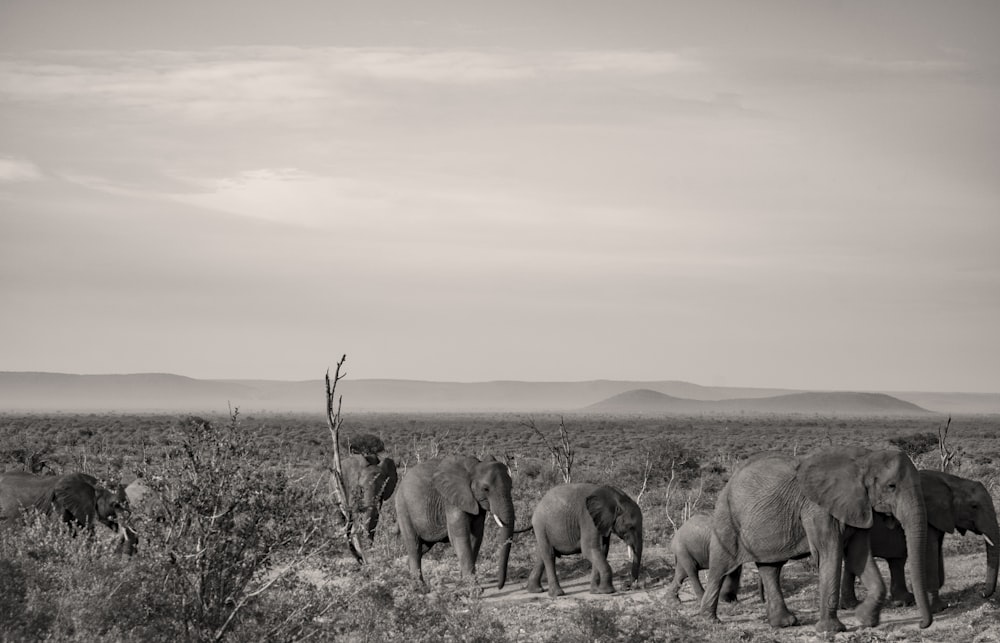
(935, 569)
(899, 596)
(848, 597)
(827, 546)
(414, 548)
(778, 614)
(731, 585)
(548, 557)
(535, 577)
(600, 570)
(476, 537)
(461, 539)
(713, 586)
(675, 585)
(859, 560)
(690, 572)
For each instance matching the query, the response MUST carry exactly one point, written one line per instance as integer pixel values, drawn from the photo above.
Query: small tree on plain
(335, 421)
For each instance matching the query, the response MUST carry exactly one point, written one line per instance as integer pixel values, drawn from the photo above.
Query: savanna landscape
(245, 541)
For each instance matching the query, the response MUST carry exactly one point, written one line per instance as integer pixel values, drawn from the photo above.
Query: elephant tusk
(631, 554)
(498, 521)
(988, 541)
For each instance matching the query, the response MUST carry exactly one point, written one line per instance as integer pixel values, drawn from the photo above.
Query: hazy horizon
(774, 194)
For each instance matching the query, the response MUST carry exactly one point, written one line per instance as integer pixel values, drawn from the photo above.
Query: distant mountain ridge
(164, 392)
(645, 401)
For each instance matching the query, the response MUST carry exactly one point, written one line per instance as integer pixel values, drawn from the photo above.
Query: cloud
(207, 82)
(14, 170)
(287, 195)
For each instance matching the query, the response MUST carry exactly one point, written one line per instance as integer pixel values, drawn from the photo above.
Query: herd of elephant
(842, 506)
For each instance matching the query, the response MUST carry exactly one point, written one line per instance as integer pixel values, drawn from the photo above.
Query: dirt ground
(969, 617)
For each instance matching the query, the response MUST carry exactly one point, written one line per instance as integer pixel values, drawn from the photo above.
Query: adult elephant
(690, 545)
(580, 518)
(953, 503)
(446, 500)
(369, 480)
(77, 498)
(777, 507)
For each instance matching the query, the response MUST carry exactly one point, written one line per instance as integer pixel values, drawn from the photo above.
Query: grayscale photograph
(548, 322)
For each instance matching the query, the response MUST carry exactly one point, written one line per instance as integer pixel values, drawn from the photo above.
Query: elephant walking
(778, 507)
(77, 499)
(953, 503)
(446, 500)
(690, 545)
(580, 518)
(369, 480)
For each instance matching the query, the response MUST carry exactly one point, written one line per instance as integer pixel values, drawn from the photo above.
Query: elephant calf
(690, 546)
(579, 518)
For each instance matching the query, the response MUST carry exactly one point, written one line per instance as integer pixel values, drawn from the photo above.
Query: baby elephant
(579, 518)
(690, 547)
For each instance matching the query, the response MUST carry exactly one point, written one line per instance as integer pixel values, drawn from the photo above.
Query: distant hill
(164, 392)
(645, 401)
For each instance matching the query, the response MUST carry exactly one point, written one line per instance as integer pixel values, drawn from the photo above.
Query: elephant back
(20, 490)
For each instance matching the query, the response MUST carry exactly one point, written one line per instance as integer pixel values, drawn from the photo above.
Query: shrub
(915, 444)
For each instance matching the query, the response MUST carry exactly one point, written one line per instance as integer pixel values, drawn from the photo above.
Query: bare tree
(947, 454)
(334, 421)
(647, 468)
(563, 454)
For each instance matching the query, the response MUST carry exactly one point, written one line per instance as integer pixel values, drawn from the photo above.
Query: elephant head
(613, 511)
(851, 482)
(475, 486)
(82, 500)
(369, 481)
(955, 503)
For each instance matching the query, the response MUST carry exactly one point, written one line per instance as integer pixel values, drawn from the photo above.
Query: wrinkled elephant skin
(777, 507)
(447, 499)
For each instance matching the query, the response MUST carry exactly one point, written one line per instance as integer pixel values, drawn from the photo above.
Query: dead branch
(947, 454)
(563, 454)
(334, 422)
(647, 468)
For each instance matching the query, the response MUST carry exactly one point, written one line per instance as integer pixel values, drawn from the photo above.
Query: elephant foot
(602, 590)
(672, 599)
(937, 605)
(710, 617)
(831, 624)
(902, 600)
(868, 614)
(727, 597)
(556, 592)
(849, 602)
(533, 588)
(783, 619)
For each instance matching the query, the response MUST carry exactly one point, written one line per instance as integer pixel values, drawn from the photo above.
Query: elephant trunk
(991, 534)
(912, 517)
(503, 512)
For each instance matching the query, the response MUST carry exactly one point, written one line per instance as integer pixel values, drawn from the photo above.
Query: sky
(794, 194)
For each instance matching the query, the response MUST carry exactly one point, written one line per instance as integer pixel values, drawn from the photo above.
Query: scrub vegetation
(247, 545)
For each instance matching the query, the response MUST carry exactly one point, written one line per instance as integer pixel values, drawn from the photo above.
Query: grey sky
(794, 194)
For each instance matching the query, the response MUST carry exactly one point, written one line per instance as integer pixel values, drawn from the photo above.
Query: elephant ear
(76, 494)
(453, 482)
(939, 501)
(602, 505)
(388, 477)
(834, 481)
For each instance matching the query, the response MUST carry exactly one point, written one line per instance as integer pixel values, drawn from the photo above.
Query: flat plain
(306, 585)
